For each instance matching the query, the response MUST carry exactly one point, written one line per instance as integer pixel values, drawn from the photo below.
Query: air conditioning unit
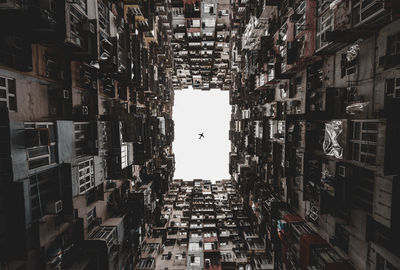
(65, 94)
(342, 171)
(85, 110)
(54, 207)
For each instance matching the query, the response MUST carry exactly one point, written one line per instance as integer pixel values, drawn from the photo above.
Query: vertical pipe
(38, 191)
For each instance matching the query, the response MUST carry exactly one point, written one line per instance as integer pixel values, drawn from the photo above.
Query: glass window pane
(390, 86)
(12, 103)
(371, 149)
(33, 164)
(38, 151)
(357, 130)
(397, 82)
(391, 45)
(2, 82)
(370, 126)
(11, 86)
(356, 151)
(3, 93)
(371, 137)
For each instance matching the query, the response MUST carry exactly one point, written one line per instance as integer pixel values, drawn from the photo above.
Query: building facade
(86, 130)
(313, 152)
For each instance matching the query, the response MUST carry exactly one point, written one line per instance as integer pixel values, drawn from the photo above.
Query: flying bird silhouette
(201, 135)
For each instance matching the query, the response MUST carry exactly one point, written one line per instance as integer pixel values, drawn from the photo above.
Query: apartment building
(200, 44)
(313, 152)
(204, 225)
(86, 130)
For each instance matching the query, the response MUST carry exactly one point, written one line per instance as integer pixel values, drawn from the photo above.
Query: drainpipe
(374, 76)
(38, 191)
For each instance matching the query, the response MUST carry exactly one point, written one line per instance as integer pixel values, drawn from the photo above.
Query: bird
(201, 135)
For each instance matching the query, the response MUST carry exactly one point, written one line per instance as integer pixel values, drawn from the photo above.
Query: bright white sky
(194, 112)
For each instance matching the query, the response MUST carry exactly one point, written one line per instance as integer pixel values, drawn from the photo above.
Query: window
(8, 93)
(43, 189)
(82, 135)
(347, 67)
(363, 140)
(76, 34)
(393, 45)
(365, 10)
(124, 155)
(301, 11)
(393, 88)
(104, 17)
(43, 149)
(86, 176)
(324, 24)
(105, 135)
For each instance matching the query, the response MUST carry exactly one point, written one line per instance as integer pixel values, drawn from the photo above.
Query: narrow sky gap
(195, 112)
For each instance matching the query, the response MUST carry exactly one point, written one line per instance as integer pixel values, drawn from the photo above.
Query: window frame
(9, 95)
(325, 22)
(356, 141)
(81, 131)
(51, 154)
(395, 94)
(83, 180)
(347, 68)
(299, 24)
(395, 43)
